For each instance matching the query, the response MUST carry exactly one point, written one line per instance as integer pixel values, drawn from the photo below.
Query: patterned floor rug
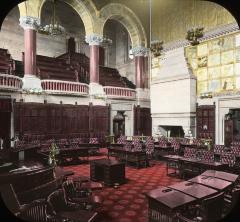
(127, 203)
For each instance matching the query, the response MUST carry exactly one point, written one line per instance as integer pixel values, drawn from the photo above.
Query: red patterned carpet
(127, 202)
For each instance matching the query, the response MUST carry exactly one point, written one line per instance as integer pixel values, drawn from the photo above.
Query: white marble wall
(173, 93)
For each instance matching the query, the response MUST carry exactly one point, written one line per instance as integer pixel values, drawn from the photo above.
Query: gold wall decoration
(228, 84)
(218, 64)
(237, 68)
(202, 74)
(237, 40)
(214, 59)
(227, 57)
(214, 72)
(237, 52)
(202, 87)
(227, 70)
(202, 61)
(202, 49)
(227, 43)
(214, 46)
(214, 85)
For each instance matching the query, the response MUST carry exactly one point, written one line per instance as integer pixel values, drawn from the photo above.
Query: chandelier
(194, 34)
(106, 41)
(54, 28)
(156, 48)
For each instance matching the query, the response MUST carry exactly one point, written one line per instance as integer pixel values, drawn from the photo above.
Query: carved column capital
(140, 51)
(28, 22)
(94, 39)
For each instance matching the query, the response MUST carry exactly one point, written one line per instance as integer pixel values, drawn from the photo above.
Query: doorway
(119, 124)
(232, 126)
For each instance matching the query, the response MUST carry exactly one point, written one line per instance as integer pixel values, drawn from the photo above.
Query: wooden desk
(129, 156)
(212, 182)
(194, 189)
(108, 171)
(199, 166)
(163, 203)
(30, 180)
(203, 165)
(221, 175)
(162, 151)
(25, 153)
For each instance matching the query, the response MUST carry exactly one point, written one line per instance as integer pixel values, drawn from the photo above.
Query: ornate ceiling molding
(94, 39)
(140, 51)
(29, 22)
(218, 32)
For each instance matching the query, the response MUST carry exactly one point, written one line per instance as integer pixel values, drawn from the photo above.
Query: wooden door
(205, 116)
(228, 132)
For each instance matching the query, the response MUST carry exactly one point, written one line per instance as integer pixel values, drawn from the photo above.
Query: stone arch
(30, 8)
(127, 18)
(85, 9)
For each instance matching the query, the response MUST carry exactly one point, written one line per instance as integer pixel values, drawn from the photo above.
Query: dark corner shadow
(6, 6)
(6, 214)
(234, 216)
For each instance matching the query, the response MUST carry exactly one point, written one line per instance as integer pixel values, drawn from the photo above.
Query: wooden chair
(229, 159)
(36, 212)
(230, 201)
(210, 210)
(81, 196)
(64, 210)
(10, 199)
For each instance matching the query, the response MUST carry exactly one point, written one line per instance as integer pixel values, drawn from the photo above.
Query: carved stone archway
(127, 18)
(85, 9)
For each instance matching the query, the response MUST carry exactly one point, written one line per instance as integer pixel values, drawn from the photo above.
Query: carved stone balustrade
(64, 87)
(10, 82)
(119, 92)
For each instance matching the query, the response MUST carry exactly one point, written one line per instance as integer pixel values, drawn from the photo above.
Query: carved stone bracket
(94, 39)
(28, 22)
(140, 51)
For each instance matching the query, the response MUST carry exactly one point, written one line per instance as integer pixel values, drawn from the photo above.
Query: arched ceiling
(70, 19)
(140, 8)
(171, 19)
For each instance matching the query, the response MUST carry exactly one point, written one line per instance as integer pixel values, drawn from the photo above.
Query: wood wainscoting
(58, 120)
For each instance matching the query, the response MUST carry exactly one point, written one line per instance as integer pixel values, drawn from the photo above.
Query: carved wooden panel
(142, 121)
(5, 105)
(228, 132)
(100, 120)
(61, 120)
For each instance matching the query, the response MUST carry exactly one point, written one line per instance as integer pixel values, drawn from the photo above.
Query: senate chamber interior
(120, 110)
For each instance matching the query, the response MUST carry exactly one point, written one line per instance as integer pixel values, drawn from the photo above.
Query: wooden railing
(118, 92)
(64, 87)
(10, 82)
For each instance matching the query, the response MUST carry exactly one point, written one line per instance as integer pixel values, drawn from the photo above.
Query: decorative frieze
(140, 51)
(94, 39)
(28, 22)
(217, 32)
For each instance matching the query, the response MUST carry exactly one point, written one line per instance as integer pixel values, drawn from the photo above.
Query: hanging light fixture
(54, 28)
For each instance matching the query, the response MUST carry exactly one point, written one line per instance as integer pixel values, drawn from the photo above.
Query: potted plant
(52, 154)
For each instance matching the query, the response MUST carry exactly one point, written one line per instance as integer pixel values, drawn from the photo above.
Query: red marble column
(94, 63)
(30, 51)
(139, 71)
